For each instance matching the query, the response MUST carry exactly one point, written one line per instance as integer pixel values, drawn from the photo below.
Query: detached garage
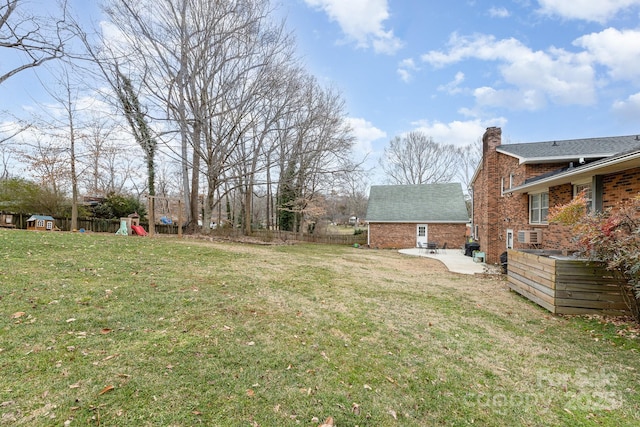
(407, 216)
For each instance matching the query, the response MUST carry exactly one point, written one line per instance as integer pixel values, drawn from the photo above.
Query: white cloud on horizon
(365, 134)
(458, 133)
(629, 109)
(599, 11)
(361, 21)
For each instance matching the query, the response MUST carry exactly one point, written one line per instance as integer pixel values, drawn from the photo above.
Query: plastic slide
(137, 229)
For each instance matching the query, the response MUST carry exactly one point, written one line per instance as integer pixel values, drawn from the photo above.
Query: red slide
(137, 229)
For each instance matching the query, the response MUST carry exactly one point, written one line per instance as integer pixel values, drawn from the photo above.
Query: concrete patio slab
(453, 259)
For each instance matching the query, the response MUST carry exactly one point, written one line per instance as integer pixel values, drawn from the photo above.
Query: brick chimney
(491, 139)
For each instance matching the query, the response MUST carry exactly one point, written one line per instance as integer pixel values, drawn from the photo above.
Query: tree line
(202, 100)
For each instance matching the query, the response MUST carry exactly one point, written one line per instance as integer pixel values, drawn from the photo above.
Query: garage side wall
(403, 235)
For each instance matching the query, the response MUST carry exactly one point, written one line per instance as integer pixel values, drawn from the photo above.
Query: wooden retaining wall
(565, 286)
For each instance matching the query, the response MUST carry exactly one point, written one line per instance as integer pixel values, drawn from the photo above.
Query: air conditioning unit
(530, 236)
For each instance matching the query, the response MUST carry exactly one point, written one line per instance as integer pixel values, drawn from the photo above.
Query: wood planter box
(565, 285)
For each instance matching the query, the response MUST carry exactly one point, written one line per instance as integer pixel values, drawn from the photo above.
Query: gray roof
(614, 164)
(417, 203)
(571, 150)
(42, 217)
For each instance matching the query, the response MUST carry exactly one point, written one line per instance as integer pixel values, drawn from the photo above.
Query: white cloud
(628, 109)
(533, 76)
(530, 99)
(458, 133)
(588, 10)
(361, 21)
(365, 134)
(453, 86)
(406, 67)
(499, 12)
(617, 50)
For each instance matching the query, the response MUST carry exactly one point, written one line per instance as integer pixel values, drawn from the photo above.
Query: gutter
(555, 159)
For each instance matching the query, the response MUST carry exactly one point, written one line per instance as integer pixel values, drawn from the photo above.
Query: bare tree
(67, 101)
(470, 156)
(274, 94)
(95, 147)
(12, 130)
(416, 158)
(218, 71)
(352, 188)
(190, 56)
(319, 147)
(47, 161)
(38, 38)
(5, 159)
(127, 98)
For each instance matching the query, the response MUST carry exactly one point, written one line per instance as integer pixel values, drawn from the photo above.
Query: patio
(453, 259)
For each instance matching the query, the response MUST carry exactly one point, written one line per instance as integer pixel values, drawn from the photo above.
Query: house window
(588, 193)
(40, 223)
(538, 208)
(49, 225)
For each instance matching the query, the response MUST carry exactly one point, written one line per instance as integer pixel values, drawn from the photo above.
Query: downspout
(368, 235)
(473, 230)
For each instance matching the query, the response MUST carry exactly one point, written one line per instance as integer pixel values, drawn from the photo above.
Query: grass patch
(109, 330)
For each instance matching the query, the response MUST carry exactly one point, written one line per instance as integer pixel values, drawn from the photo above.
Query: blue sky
(540, 69)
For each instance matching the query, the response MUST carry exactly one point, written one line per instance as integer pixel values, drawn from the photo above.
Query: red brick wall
(621, 186)
(495, 212)
(556, 236)
(403, 235)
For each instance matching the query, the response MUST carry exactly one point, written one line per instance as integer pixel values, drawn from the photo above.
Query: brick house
(515, 184)
(402, 216)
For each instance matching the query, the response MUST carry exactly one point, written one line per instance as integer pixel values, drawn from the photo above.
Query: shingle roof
(572, 149)
(417, 203)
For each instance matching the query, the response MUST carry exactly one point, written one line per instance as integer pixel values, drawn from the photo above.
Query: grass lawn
(110, 330)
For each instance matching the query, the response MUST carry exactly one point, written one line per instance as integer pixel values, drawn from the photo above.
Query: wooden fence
(565, 286)
(331, 239)
(97, 225)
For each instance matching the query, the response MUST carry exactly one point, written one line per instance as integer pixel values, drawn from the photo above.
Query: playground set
(130, 226)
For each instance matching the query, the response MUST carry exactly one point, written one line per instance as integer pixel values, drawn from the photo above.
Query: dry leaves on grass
(327, 423)
(106, 390)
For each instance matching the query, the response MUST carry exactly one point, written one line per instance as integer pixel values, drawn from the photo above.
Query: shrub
(119, 206)
(611, 236)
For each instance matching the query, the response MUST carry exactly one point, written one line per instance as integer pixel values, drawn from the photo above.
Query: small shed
(41, 223)
(405, 216)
